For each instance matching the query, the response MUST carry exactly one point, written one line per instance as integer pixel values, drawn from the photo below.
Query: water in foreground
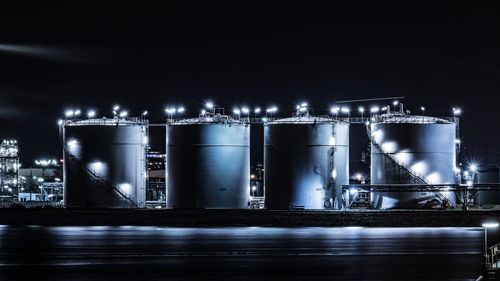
(239, 253)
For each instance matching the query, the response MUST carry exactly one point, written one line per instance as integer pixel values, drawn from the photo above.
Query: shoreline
(265, 218)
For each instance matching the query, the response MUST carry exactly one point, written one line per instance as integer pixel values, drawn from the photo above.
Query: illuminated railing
(493, 254)
(125, 121)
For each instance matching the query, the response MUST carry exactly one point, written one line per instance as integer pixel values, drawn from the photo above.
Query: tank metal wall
(305, 165)
(208, 166)
(485, 198)
(428, 150)
(114, 153)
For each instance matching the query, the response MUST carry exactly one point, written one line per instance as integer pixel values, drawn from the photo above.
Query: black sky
(144, 57)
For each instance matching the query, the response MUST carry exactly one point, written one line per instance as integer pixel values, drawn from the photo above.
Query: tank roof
(395, 118)
(128, 121)
(210, 119)
(305, 120)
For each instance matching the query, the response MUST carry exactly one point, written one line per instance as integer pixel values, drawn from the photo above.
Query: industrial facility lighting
(457, 141)
(170, 110)
(123, 113)
(245, 110)
(72, 142)
(456, 111)
(297, 107)
(272, 109)
(91, 113)
(374, 109)
(209, 105)
(345, 110)
(256, 110)
(303, 109)
(116, 107)
(490, 224)
(78, 112)
(203, 112)
(422, 108)
(304, 104)
(384, 108)
(254, 188)
(395, 102)
(181, 109)
(334, 110)
(367, 123)
(361, 109)
(69, 113)
(473, 168)
(145, 113)
(59, 122)
(236, 111)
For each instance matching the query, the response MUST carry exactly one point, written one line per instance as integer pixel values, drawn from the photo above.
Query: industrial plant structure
(408, 149)
(208, 162)
(306, 162)
(104, 162)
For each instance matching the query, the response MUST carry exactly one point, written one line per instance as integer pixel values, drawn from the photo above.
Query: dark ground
(110, 217)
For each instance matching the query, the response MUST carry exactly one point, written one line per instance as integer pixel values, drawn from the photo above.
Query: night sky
(82, 55)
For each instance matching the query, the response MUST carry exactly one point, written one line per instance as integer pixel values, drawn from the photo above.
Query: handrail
(416, 177)
(493, 254)
(112, 186)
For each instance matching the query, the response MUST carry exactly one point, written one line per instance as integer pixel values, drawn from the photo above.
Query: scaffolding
(9, 166)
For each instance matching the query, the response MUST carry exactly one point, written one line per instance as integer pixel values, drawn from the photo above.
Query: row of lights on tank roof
(244, 110)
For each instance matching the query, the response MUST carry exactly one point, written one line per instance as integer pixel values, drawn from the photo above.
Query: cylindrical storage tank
(409, 149)
(208, 163)
(491, 175)
(104, 163)
(306, 162)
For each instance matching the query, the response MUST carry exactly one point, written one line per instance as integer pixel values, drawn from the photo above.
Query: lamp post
(487, 225)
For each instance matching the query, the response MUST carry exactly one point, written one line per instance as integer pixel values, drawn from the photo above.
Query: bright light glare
(123, 113)
(77, 112)
(334, 110)
(422, 108)
(473, 168)
(395, 102)
(181, 109)
(257, 110)
(236, 111)
(116, 107)
(245, 110)
(69, 113)
(361, 109)
(91, 113)
(272, 109)
(375, 109)
(345, 110)
(304, 104)
(209, 105)
(490, 224)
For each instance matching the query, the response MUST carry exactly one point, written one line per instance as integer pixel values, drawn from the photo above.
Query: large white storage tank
(306, 162)
(208, 163)
(410, 149)
(104, 162)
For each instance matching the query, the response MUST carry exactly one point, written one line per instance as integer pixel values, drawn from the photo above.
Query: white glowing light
(395, 102)
(69, 113)
(181, 110)
(59, 122)
(209, 105)
(91, 113)
(361, 109)
(422, 108)
(272, 109)
(490, 224)
(375, 109)
(245, 110)
(78, 112)
(345, 110)
(116, 107)
(203, 112)
(335, 110)
(332, 141)
(334, 173)
(358, 176)
(304, 104)
(72, 142)
(302, 109)
(125, 188)
(257, 110)
(97, 166)
(254, 188)
(473, 168)
(145, 113)
(236, 111)
(123, 113)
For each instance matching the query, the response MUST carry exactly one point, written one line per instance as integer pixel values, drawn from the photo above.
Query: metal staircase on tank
(99, 178)
(403, 169)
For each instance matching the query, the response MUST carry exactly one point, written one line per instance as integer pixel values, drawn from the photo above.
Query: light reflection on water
(302, 252)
